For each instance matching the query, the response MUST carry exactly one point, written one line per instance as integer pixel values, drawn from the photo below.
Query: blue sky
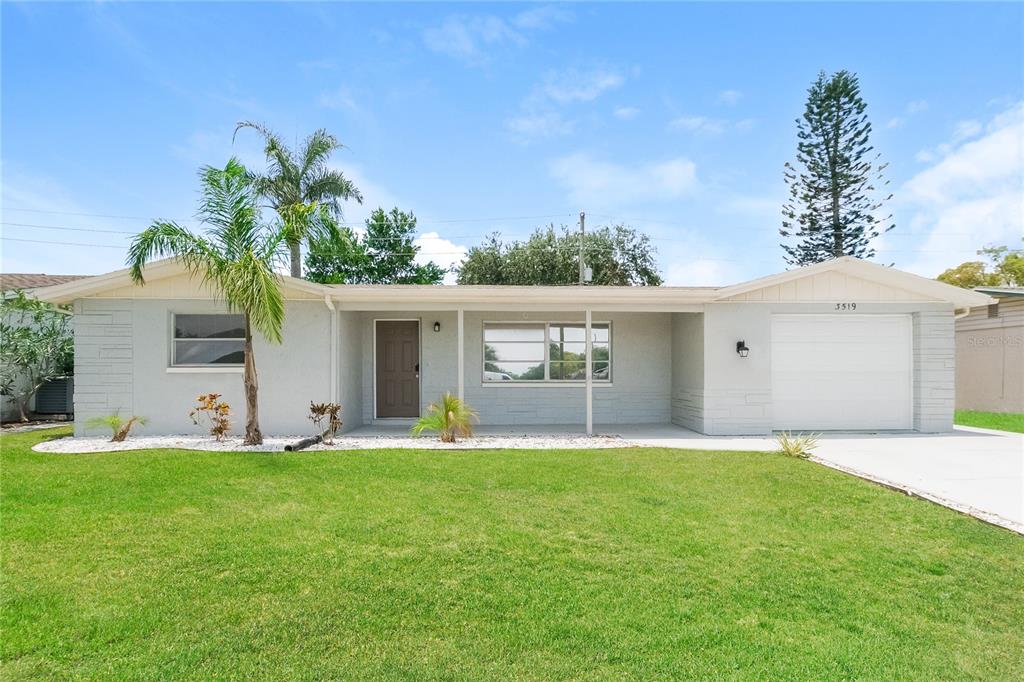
(675, 119)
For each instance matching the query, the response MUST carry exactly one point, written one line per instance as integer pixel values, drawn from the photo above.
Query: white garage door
(835, 372)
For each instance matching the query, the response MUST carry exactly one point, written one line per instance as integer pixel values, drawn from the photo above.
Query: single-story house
(990, 353)
(841, 345)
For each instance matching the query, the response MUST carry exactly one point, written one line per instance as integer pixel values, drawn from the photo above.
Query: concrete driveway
(976, 471)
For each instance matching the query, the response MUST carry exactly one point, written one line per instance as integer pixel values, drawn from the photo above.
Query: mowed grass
(601, 564)
(1003, 421)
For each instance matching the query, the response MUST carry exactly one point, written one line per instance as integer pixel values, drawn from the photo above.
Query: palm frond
(329, 186)
(316, 150)
(250, 285)
(170, 239)
(229, 206)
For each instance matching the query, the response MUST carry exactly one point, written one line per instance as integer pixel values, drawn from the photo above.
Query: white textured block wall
(104, 355)
(934, 371)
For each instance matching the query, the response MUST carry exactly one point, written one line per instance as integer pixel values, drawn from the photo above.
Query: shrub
(449, 417)
(318, 412)
(800, 445)
(119, 427)
(213, 412)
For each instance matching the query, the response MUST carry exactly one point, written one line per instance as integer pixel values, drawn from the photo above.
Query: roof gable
(850, 278)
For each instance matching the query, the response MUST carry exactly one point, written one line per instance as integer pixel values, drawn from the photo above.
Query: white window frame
(547, 380)
(174, 366)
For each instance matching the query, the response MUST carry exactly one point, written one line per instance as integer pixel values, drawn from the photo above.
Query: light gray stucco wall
(737, 394)
(640, 391)
(122, 353)
(688, 370)
(438, 361)
(350, 369)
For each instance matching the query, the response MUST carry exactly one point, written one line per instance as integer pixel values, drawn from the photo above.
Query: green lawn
(1004, 421)
(600, 564)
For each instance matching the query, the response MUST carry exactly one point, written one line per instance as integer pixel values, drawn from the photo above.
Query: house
(990, 354)
(841, 345)
(54, 398)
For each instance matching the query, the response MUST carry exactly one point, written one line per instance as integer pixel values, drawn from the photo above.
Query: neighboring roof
(393, 295)
(1001, 292)
(31, 280)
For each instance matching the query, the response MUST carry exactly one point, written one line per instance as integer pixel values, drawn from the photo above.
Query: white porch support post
(590, 376)
(461, 353)
(333, 362)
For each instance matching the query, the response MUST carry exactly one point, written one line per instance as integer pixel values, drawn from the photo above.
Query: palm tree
(236, 258)
(304, 191)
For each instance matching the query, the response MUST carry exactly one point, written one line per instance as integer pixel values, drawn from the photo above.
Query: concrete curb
(981, 515)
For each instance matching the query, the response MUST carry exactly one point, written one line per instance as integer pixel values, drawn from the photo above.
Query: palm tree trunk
(253, 435)
(296, 250)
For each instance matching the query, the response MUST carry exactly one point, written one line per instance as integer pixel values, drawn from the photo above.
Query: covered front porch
(519, 366)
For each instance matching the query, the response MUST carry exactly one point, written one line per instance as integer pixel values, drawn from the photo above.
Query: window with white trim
(207, 340)
(545, 351)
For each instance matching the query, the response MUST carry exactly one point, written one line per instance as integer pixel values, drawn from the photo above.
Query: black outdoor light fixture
(741, 348)
(437, 326)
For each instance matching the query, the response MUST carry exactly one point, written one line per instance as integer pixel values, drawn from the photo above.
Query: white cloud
(528, 127)
(572, 85)
(434, 247)
(730, 97)
(917, 106)
(340, 99)
(542, 18)
(593, 183)
(966, 129)
(697, 124)
(540, 114)
(471, 38)
(703, 125)
(626, 113)
(912, 108)
(971, 197)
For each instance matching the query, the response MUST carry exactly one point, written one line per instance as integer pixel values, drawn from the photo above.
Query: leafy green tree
(384, 254)
(36, 346)
(618, 255)
(302, 188)
(236, 257)
(833, 208)
(1007, 269)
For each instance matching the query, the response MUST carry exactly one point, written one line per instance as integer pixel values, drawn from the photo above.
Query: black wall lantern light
(437, 326)
(741, 348)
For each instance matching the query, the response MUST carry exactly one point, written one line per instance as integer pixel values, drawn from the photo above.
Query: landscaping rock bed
(277, 443)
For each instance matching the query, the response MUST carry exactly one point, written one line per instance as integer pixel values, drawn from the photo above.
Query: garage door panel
(836, 372)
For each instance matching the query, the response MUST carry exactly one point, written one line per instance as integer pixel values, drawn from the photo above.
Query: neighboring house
(842, 345)
(54, 398)
(990, 354)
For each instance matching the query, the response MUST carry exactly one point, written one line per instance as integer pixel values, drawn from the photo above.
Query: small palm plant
(449, 417)
(119, 427)
(800, 445)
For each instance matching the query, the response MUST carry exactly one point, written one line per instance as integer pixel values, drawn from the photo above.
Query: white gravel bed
(73, 445)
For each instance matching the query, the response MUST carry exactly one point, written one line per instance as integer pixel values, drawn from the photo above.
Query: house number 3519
(846, 306)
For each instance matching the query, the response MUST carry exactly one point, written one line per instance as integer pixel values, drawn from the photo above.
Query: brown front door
(398, 368)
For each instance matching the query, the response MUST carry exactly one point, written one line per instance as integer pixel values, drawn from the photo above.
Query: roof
(32, 280)
(1001, 292)
(639, 297)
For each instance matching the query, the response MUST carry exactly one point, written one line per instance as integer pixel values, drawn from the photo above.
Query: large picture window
(201, 340)
(545, 351)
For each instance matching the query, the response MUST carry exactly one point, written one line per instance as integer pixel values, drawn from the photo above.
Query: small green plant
(449, 417)
(801, 445)
(331, 412)
(214, 412)
(119, 427)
